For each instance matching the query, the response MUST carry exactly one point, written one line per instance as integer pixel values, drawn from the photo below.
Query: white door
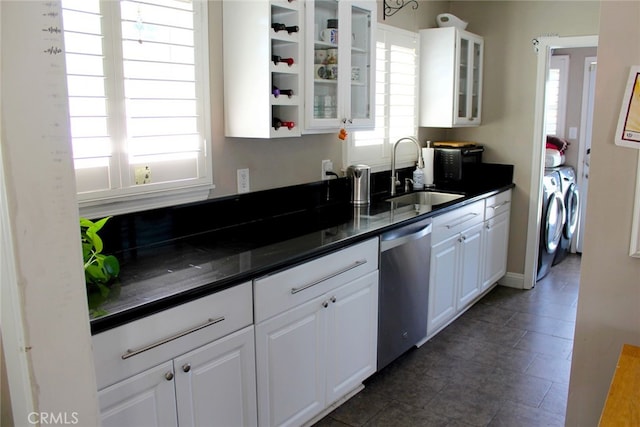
(496, 242)
(352, 335)
(290, 365)
(442, 283)
(585, 147)
(146, 399)
(216, 383)
(469, 266)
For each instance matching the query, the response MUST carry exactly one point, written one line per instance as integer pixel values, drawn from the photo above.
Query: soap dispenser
(418, 179)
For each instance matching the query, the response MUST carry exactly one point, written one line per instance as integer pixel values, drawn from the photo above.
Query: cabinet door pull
(209, 322)
(169, 376)
(329, 276)
(496, 207)
(466, 218)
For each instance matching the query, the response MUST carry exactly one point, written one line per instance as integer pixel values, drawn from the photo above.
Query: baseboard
(512, 280)
(333, 406)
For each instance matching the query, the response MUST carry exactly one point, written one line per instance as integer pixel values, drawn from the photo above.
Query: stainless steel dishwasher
(404, 289)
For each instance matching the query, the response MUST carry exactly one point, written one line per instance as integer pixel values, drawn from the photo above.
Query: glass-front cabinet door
(340, 62)
(469, 79)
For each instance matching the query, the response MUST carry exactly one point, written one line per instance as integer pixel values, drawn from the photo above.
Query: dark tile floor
(505, 362)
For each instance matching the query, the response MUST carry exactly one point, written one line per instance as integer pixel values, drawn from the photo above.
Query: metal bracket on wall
(535, 43)
(389, 10)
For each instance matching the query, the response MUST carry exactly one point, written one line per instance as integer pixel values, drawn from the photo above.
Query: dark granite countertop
(194, 262)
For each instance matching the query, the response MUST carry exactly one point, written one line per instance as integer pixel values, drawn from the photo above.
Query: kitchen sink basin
(425, 198)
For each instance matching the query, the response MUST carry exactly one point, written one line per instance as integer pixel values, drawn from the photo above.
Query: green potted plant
(100, 270)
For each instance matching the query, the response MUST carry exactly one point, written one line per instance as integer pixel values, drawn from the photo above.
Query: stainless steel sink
(425, 198)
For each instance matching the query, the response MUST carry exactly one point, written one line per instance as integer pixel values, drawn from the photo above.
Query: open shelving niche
(249, 44)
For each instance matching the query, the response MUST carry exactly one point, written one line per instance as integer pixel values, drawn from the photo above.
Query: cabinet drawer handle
(466, 218)
(495, 207)
(209, 322)
(329, 276)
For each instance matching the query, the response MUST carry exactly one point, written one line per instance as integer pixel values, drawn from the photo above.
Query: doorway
(544, 47)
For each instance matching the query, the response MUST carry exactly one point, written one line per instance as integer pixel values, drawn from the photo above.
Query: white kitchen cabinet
(190, 365)
(316, 333)
(496, 238)
(290, 365)
(310, 356)
(211, 386)
(352, 326)
(443, 278)
(216, 383)
(454, 280)
(470, 244)
(340, 94)
(450, 78)
(146, 399)
(251, 48)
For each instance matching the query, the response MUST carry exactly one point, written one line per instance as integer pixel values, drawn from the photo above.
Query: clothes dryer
(571, 198)
(552, 221)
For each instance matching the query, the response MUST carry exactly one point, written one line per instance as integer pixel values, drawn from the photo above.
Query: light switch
(573, 132)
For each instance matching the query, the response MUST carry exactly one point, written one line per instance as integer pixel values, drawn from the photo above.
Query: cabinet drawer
(497, 204)
(126, 350)
(280, 291)
(451, 223)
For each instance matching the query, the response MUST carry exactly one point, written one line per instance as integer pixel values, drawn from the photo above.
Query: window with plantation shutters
(137, 81)
(396, 101)
(556, 95)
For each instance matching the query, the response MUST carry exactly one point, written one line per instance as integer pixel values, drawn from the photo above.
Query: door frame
(543, 47)
(586, 119)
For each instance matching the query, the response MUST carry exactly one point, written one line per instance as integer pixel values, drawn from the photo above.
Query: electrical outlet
(243, 180)
(327, 166)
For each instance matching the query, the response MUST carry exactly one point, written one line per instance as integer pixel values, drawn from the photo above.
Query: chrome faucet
(394, 179)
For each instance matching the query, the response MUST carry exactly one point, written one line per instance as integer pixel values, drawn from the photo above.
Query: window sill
(145, 201)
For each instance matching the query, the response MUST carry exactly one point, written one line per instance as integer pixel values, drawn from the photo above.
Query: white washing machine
(552, 221)
(571, 198)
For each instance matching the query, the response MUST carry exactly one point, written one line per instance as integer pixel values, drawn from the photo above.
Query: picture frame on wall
(634, 247)
(628, 130)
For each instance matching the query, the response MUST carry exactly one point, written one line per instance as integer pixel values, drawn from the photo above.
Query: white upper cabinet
(340, 65)
(263, 57)
(450, 78)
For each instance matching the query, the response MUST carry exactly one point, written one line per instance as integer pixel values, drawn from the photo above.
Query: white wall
(285, 161)
(509, 88)
(609, 299)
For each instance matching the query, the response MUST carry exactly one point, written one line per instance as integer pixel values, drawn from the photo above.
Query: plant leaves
(95, 274)
(99, 270)
(95, 240)
(100, 223)
(111, 265)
